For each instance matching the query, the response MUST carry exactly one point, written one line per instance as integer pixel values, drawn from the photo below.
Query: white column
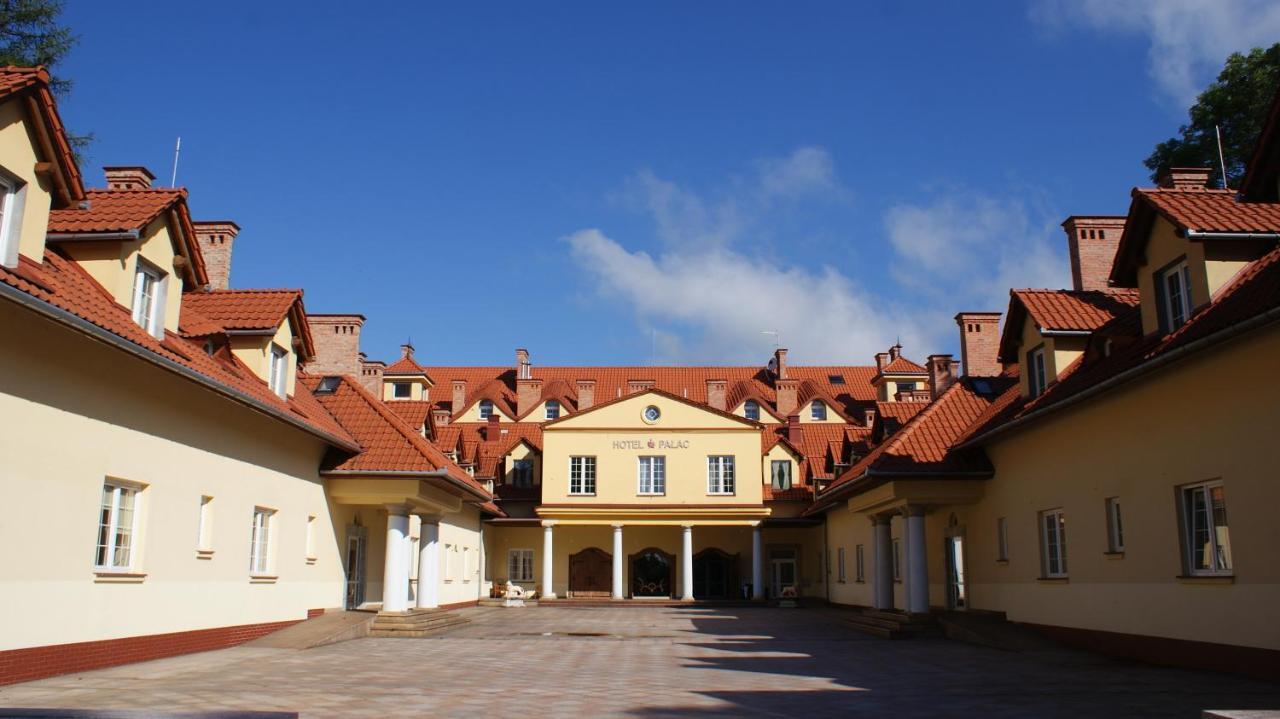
(429, 563)
(686, 564)
(757, 564)
(548, 590)
(395, 570)
(882, 563)
(917, 562)
(617, 561)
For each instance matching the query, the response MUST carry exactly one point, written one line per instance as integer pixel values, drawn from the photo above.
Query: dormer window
(818, 411)
(148, 298)
(1035, 371)
(402, 390)
(486, 410)
(277, 377)
(1175, 291)
(751, 410)
(8, 223)
(553, 409)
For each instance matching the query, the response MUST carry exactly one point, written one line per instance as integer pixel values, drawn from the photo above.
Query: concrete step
(335, 625)
(892, 624)
(875, 628)
(414, 623)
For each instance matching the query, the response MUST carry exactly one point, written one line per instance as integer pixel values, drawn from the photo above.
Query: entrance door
(590, 573)
(357, 538)
(957, 594)
(784, 571)
(653, 573)
(714, 574)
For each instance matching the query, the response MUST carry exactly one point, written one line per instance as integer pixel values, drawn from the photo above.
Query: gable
(674, 413)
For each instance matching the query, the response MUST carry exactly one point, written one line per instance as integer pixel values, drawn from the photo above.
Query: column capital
(398, 510)
(617, 526)
(878, 519)
(548, 523)
(914, 510)
(429, 517)
(688, 527)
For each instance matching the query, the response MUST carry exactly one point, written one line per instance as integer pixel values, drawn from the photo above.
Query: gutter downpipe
(1194, 235)
(432, 474)
(91, 236)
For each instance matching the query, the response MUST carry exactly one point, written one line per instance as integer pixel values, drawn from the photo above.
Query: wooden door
(591, 573)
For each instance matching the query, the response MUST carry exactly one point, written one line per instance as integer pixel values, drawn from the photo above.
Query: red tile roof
(243, 309)
(405, 366)
(1075, 310)
(1210, 210)
(116, 210)
(902, 365)
(413, 412)
(64, 285)
(51, 136)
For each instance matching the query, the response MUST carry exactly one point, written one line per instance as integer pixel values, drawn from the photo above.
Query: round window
(651, 414)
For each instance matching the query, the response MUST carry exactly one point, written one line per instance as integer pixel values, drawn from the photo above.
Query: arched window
(818, 411)
(553, 409)
(486, 409)
(752, 410)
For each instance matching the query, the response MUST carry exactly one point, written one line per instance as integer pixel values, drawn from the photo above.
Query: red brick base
(24, 665)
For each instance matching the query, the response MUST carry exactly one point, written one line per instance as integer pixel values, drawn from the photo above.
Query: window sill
(263, 578)
(1053, 580)
(1114, 555)
(204, 554)
(651, 494)
(722, 494)
(581, 494)
(1207, 579)
(108, 576)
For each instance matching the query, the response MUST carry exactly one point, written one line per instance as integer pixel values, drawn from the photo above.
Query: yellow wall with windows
(765, 417)
(255, 352)
(472, 414)
(114, 264)
(806, 414)
(182, 442)
(617, 436)
(519, 452)
(539, 413)
(1208, 271)
(891, 386)
(418, 388)
(18, 157)
(779, 452)
(1059, 353)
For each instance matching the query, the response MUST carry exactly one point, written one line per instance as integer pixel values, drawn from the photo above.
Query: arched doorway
(590, 573)
(715, 574)
(653, 573)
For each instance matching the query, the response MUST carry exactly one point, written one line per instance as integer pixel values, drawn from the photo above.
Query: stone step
(434, 626)
(409, 617)
(866, 626)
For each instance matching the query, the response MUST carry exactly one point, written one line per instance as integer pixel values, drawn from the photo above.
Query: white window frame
(485, 409)
(721, 475)
(260, 541)
(1218, 551)
(9, 237)
(773, 474)
(548, 412)
(449, 551)
(311, 539)
(818, 411)
(408, 390)
(521, 559)
(149, 315)
(108, 546)
(651, 475)
(840, 569)
(1037, 375)
(1181, 274)
(751, 410)
(1053, 543)
(1115, 526)
(466, 564)
(204, 528)
(582, 475)
(859, 564)
(1002, 539)
(278, 379)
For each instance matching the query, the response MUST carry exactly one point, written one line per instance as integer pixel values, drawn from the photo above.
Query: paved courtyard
(649, 662)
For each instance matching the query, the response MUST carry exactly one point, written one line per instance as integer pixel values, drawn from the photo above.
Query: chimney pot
(128, 177)
(371, 376)
(406, 351)
(1184, 178)
(941, 373)
(869, 416)
(1092, 242)
(523, 369)
(528, 394)
(779, 363)
(895, 352)
(795, 430)
(980, 343)
(882, 359)
(492, 432)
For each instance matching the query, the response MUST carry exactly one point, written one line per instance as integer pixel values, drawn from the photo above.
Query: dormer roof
(252, 311)
(1062, 311)
(32, 83)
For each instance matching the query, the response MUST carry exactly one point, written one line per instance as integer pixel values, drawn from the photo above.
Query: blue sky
(661, 182)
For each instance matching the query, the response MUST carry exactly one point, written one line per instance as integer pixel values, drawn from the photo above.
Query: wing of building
(196, 464)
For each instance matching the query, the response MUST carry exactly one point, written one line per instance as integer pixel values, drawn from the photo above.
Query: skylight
(835, 379)
(328, 385)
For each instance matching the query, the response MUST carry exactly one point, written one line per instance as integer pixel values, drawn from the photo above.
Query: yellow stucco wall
(255, 352)
(180, 441)
(779, 452)
(523, 451)
(685, 435)
(18, 157)
(1209, 272)
(114, 265)
(765, 417)
(418, 388)
(472, 414)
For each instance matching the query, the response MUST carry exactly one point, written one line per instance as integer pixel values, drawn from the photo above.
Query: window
(1115, 529)
(278, 378)
(818, 411)
(328, 385)
(449, 551)
(720, 474)
(840, 574)
(8, 223)
(486, 409)
(520, 565)
(897, 560)
(117, 526)
(835, 379)
(582, 475)
(1002, 540)
(1053, 542)
(781, 474)
(466, 564)
(906, 386)
(1175, 288)
(751, 410)
(259, 541)
(653, 475)
(1035, 370)
(553, 409)
(204, 530)
(402, 390)
(859, 564)
(311, 538)
(522, 473)
(1204, 508)
(148, 298)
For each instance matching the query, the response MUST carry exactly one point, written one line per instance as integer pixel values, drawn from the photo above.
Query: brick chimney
(528, 394)
(586, 393)
(1092, 243)
(1184, 178)
(717, 389)
(406, 351)
(788, 391)
(882, 361)
(491, 430)
(980, 343)
(215, 238)
(371, 375)
(337, 343)
(439, 416)
(942, 373)
(524, 370)
(795, 430)
(459, 395)
(869, 416)
(128, 177)
(638, 385)
(895, 352)
(778, 365)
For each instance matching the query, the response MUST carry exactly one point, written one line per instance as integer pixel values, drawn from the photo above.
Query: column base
(550, 595)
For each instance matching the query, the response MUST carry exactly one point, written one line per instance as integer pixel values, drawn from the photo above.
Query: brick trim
(27, 664)
(313, 613)
(461, 605)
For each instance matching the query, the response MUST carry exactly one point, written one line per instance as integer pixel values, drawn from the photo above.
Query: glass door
(354, 561)
(783, 574)
(957, 594)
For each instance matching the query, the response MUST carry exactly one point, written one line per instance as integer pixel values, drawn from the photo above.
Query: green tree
(1237, 103)
(30, 35)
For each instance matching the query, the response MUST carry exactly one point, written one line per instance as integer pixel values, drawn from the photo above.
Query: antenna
(777, 337)
(173, 180)
(1221, 161)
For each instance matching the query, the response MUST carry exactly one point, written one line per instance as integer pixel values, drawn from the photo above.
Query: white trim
(1037, 375)
(840, 568)
(586, 480)
(721, 475)
(523, 555)
(204, 526)
(109, 546)
(148, 283)
(9, 238)
(1183, 276)
(1053, 543)
(656, 476)
(1217, 544)
(260, 531)
(859, 564)
(277, 370)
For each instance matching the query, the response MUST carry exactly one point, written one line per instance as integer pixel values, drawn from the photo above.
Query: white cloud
(1189, 39)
